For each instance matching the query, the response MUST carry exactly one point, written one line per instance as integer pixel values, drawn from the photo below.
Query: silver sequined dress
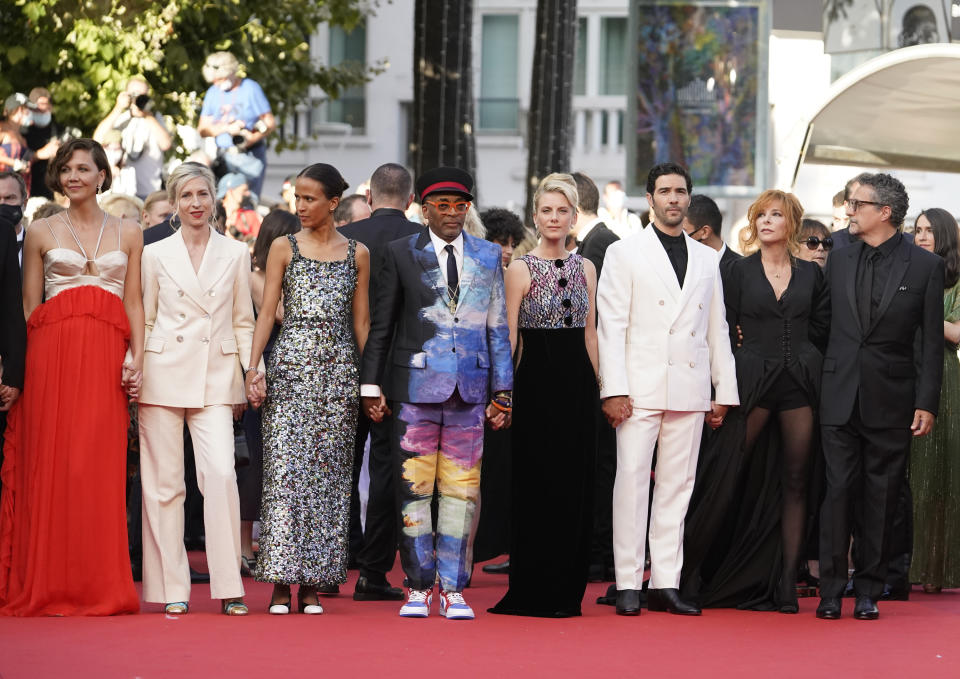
(309, 424)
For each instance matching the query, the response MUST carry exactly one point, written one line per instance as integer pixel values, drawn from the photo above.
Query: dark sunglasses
(813, 242)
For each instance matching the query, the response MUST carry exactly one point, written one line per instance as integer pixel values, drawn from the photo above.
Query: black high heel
(786, 601)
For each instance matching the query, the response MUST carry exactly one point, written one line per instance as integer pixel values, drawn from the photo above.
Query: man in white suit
(663, 336)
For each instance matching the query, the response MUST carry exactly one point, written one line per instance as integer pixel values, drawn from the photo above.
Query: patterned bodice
(558, 296)
(319, 293)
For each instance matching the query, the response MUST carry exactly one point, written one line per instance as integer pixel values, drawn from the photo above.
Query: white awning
(899, 110)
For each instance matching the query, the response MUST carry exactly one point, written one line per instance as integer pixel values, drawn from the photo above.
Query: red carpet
(915, 639)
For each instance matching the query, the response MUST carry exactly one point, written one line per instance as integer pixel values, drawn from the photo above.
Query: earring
(98, 189)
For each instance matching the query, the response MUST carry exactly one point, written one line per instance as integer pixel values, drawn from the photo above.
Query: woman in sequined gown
(63, 528)
(934, 462)
(550, 309)
(311, 393)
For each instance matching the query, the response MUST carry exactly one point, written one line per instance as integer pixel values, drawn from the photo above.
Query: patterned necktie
(453, 278)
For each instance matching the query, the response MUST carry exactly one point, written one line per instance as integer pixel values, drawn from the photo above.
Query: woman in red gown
(63, 534)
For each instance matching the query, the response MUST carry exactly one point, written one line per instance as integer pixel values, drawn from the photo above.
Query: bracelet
(599, 382)
(501, 408)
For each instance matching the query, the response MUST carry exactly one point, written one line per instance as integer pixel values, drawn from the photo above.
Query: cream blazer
(659, 343)
(199, 325)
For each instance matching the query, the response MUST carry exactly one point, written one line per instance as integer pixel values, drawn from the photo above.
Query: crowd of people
(623, 398)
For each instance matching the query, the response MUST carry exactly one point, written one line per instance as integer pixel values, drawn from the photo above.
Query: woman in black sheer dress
(746, 523)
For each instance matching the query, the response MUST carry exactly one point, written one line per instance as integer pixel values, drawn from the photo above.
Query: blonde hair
(153, 199)
(792, 212)
(473, 225)
(183, 173)
(220, 65)
(115, 204)
(557, 182)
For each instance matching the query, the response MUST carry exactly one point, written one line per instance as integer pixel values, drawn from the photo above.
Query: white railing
(598, 123)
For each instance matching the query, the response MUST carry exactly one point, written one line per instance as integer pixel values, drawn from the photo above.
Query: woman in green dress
(935, 459)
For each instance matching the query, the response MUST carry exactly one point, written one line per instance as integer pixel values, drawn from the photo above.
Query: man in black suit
(593, 236)
(374, 549)
(13, 328)
(158, 232)
(876, 393)
(704, 223)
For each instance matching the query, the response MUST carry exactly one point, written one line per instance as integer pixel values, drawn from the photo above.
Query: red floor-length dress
(63, 533)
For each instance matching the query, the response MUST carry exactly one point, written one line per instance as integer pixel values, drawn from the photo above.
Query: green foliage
(84, 51)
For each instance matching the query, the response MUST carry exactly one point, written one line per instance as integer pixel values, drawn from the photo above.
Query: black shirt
(881, 272)
(676, 247)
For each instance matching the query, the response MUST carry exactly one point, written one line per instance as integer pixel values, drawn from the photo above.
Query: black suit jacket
(158, 232)
(384, 225)
(877, 363)
(728, 258)
(594, 245)
(13, 328)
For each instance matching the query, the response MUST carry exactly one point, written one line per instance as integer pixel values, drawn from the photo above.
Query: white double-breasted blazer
(659, 343)
(199, 325)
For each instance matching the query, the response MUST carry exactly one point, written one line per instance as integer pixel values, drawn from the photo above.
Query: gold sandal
(176, 608)
(235, 608)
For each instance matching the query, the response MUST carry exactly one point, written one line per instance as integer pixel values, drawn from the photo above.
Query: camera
(239, 140)
(142, 102)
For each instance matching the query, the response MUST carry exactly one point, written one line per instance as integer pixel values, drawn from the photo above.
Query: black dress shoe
(895, 593)
(497, 568)
(669, 600)
(829, 608)
(328, 589)
(198, 578)
(610, 598)
(376, 591)
(628, 602)
(866, 609)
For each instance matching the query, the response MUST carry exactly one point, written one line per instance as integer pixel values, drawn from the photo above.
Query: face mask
(114, 156)
(26, 120)
(225, 84)
(10, 215)
(42, 119)
(615, 200)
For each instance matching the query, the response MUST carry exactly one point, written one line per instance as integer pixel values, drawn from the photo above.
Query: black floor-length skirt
(553, 457)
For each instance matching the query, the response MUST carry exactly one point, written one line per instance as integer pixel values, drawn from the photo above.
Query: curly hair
(890, 191)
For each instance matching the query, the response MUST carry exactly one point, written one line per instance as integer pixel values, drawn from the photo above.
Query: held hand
(617, 409)
(922, 422)
(8, 395)
(375, 407)
(255, 385)
(715, 416)
(497, 418)
(132, 379)
(238, 410)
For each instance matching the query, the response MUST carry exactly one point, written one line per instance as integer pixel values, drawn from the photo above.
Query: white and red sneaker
(418, 603)
(453, 607)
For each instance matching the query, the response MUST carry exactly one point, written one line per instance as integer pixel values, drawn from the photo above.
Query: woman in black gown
(550, 303)
(746, 522)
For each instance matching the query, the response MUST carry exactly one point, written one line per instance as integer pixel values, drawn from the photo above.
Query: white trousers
(678, 435)
(166, 572)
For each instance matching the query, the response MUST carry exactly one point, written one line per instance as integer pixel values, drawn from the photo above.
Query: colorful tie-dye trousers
(439, 444)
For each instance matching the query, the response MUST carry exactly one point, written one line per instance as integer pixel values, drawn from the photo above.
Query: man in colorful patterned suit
(439, 353)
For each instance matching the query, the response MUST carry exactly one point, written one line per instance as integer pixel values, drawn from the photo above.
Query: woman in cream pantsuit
(199, 328)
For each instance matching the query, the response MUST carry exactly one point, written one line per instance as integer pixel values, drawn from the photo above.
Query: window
(499, 105)
(613, 55)
(345, 47)
(580, 63)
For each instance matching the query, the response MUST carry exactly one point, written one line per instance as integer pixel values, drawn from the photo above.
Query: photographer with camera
(143, 136)
(14, 153)
(237, 114)
(43, 138)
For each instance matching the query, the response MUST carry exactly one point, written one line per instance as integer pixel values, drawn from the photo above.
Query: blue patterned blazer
(418, 351)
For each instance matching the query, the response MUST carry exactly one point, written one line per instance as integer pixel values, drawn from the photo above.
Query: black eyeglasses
(855, 204)
(813, 242)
